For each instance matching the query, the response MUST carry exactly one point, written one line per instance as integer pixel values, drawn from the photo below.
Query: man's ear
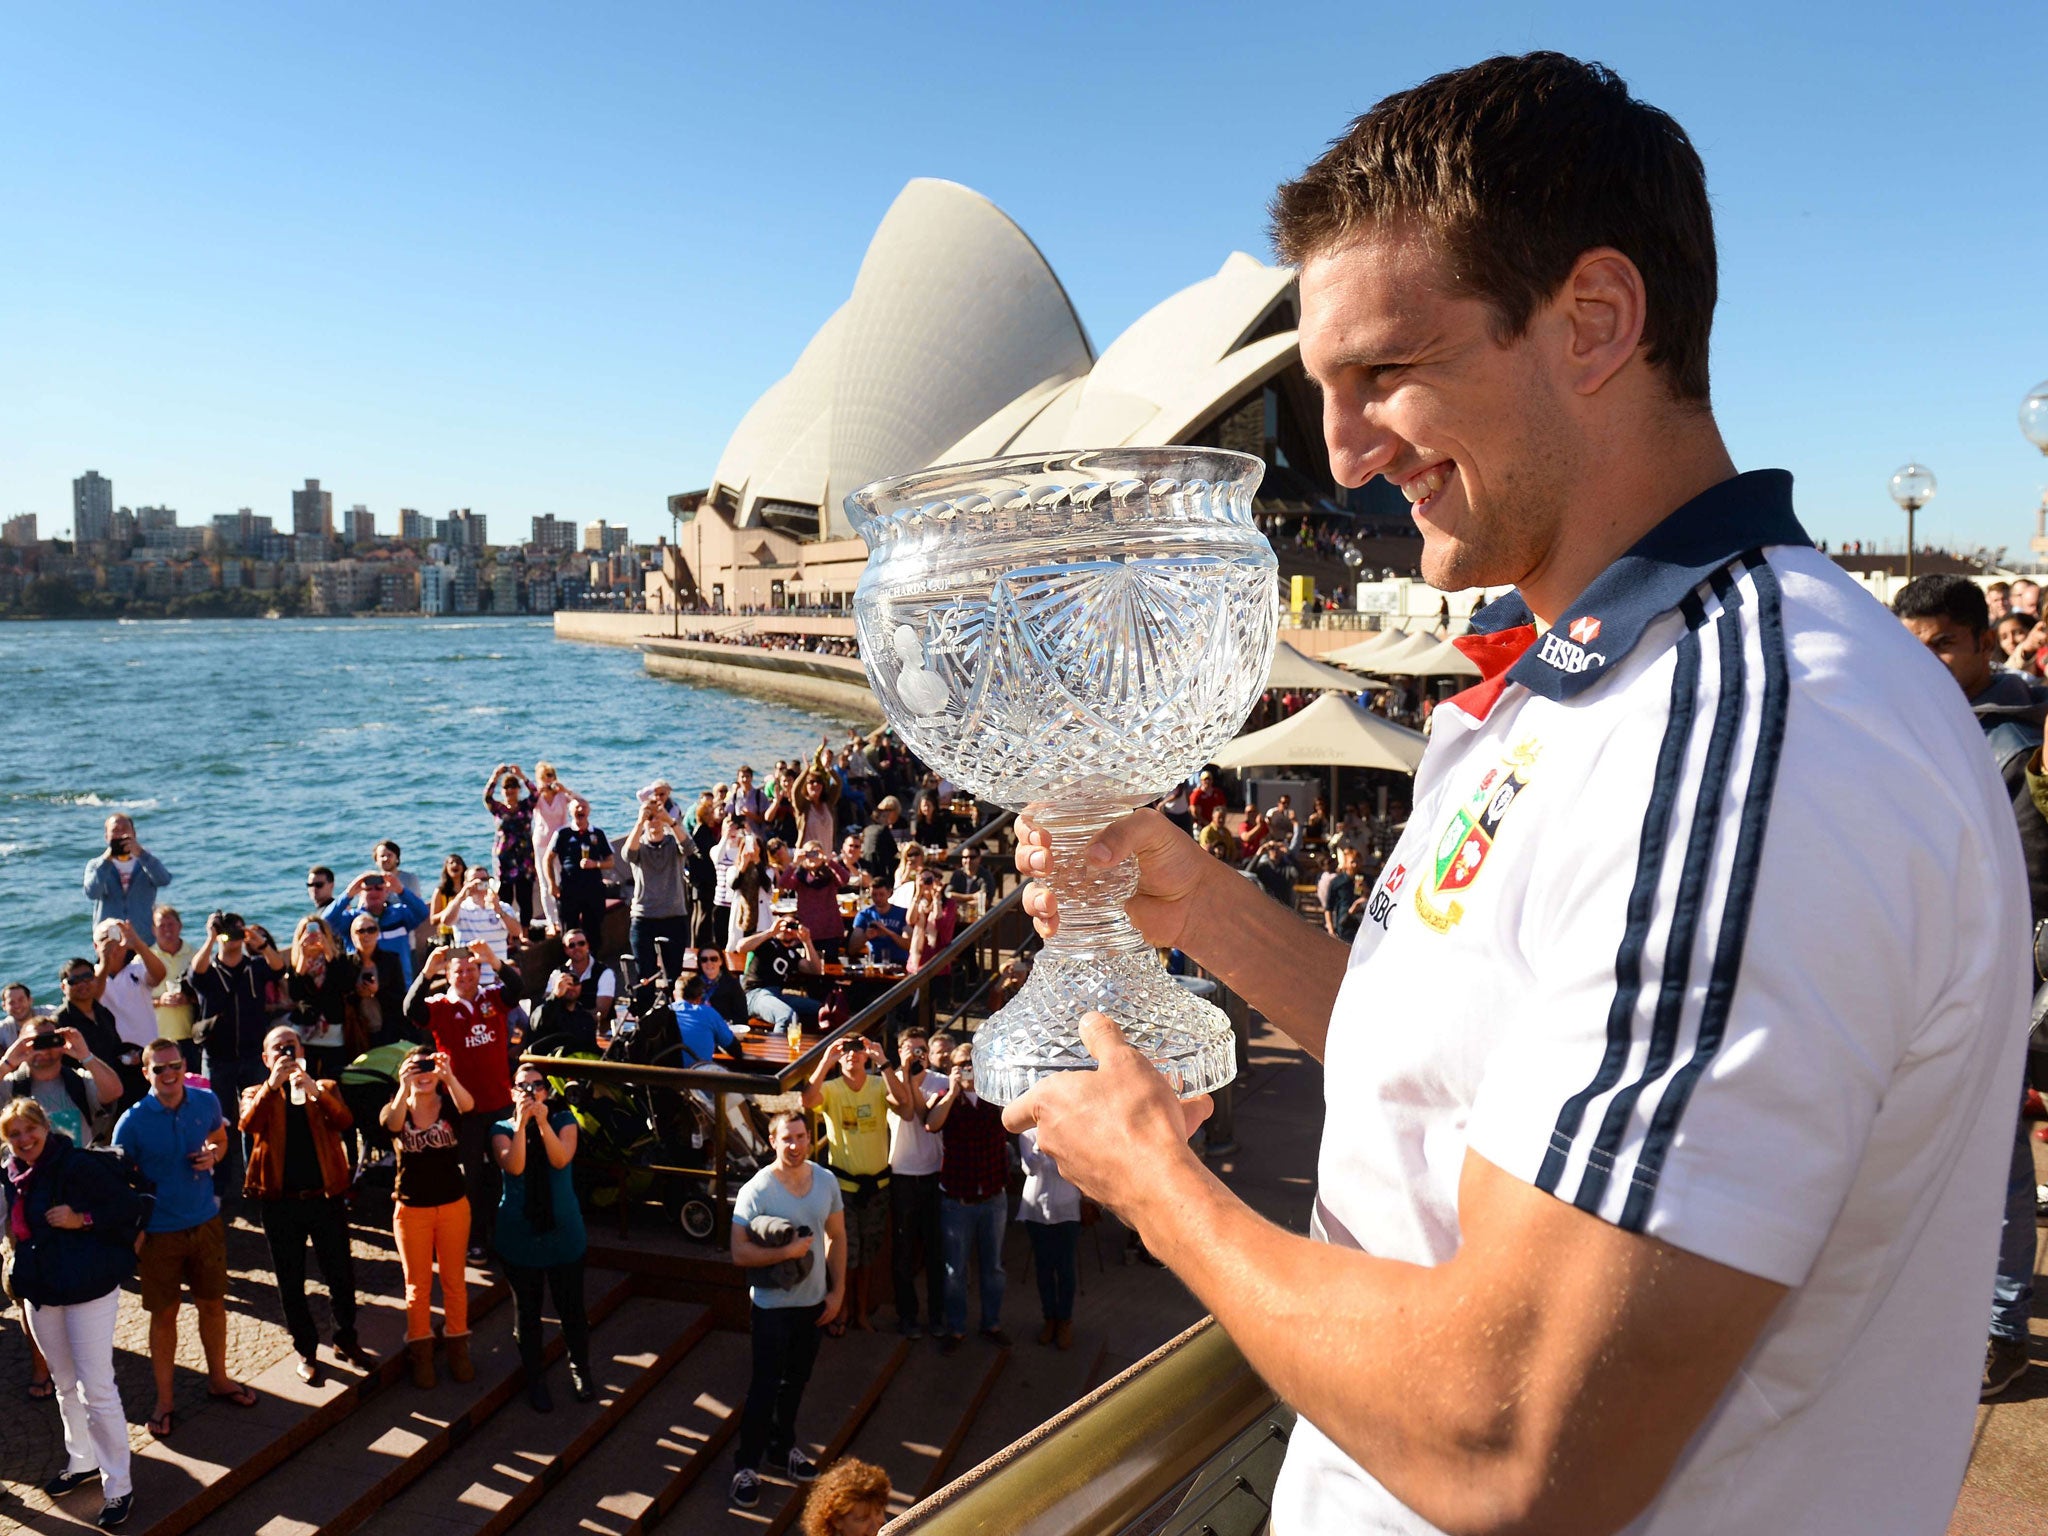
(1603, 306)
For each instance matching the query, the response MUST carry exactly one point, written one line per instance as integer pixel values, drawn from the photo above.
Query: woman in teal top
(540, 1230)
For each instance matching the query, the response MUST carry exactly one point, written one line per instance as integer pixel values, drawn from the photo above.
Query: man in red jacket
(472, 1025)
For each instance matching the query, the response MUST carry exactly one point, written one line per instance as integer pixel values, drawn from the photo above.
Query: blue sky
(529, 258)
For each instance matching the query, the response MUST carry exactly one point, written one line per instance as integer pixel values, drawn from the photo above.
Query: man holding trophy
(1670, 1072)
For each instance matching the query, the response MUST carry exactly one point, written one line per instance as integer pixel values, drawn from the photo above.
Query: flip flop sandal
(160, 1426)
(42, 1391)
(244, 1396)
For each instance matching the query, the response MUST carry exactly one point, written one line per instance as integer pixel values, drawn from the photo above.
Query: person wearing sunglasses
(540, 1231)
(597, 987)
(299, 1179)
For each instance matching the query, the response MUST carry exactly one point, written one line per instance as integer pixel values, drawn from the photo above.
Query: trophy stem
(1091, 897)
(1098, 960)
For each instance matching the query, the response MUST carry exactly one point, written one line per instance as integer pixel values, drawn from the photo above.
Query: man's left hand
(1125, 1090)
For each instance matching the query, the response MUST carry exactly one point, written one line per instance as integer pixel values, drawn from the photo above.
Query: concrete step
(851, 1375)
(511, 1463)
(392, 1438)
(211, 1458)
(916, 1430)
(680, 1432)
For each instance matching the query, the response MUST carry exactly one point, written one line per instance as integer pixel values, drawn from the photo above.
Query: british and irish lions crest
(1079, 633)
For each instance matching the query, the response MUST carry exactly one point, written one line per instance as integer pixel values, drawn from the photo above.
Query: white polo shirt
(1710, 919)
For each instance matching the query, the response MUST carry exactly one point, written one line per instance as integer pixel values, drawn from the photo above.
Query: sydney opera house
(958, 342)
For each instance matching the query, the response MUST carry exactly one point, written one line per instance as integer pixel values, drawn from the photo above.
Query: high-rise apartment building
(437, 588)
(359, 525)
(92, 507)
(313, 510)
(555, 535)
(19, 532)
(156, 517)
(461, 529)
(602, 538)
(414, 526)
(122, 528)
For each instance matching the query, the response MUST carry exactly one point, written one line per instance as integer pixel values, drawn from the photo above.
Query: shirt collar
(1604, 623)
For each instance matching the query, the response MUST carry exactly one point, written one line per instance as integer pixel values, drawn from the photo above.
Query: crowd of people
(181, 1082)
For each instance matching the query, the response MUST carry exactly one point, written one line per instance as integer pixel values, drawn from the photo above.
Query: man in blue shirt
(175, 1135)
(396, 909)
(124, 880)
(702, 1027)
(878, 928)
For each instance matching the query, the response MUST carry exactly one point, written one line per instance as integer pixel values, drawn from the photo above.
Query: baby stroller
(367, 1084)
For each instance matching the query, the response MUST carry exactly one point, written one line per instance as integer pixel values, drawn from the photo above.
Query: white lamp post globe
(2034, 416)
(1913, 487)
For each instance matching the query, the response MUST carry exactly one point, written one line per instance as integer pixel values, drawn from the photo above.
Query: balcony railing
(1120, 1458)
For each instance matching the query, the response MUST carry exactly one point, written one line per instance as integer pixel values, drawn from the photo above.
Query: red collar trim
(1493, 655)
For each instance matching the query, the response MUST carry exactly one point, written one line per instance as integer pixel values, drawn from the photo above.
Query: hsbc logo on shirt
(1585, 631)
(1565, 656)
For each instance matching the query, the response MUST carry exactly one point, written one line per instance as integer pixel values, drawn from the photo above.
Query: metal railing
(1111, 1458)
(722, 1082)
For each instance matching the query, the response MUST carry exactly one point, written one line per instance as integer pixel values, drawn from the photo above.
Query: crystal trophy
(1077, 634)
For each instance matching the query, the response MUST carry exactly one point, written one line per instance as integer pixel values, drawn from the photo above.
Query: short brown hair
(1513, 168)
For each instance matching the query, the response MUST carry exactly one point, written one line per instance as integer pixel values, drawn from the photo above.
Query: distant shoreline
(240, 618)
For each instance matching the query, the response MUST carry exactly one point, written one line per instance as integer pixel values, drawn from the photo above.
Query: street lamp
(2034, 425)
(1912, 488)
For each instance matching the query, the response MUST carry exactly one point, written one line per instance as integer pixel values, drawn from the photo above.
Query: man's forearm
(1268, 956)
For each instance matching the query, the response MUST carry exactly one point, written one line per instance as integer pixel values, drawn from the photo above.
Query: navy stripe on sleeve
(1742, 882)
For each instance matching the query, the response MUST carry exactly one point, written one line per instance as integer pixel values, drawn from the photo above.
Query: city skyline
(568, 306)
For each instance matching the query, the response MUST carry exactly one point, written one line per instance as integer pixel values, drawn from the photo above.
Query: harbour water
(248, 750)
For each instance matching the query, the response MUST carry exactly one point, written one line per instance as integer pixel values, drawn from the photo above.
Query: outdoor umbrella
(1332, 732)
(1423, 656)
(1365, 650)
(1293, 670)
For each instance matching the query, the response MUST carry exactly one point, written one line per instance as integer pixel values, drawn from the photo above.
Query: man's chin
(1450, 565)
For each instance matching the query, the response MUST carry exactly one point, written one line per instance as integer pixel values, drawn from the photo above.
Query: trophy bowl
(1078, 634)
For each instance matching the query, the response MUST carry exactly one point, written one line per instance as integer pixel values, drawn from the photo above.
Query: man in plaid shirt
(973, 1200)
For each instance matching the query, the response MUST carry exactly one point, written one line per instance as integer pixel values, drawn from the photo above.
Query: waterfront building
(341, 587)
(463, 590)
(19, 532)
(359, 526)
(437, 588)
(156, 517)
(92, 507)
(311, 548)
(555, 535)
(122, 528)
(542, 593)
(505, 588)
(958, 342)
(413, 526)
(398, 589)
(313, 510)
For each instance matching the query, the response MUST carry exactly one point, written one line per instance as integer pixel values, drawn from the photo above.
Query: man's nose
(1360, 446)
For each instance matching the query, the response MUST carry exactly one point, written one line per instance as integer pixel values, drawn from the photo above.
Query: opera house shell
(958, 342)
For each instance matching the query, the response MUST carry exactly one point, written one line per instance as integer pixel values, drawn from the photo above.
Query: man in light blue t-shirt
(786, 1319)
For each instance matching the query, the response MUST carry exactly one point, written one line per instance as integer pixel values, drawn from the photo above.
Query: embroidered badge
(1585, 631)
(1467, 838)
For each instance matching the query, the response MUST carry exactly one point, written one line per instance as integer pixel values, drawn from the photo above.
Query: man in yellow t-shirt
(855, 1108)
(173, 1001)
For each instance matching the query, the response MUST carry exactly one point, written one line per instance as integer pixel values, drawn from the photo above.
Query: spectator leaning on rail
(124, 881)
(176, 1136)
(70, 1223)
(1675, 1210)
(299, 1181)
(1948, 615)
(471, 1025)
(540, 1231)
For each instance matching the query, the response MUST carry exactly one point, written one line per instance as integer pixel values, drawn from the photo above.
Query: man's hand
(1171, 869)
(833, 1300)
(1125, 1090)
(281, 1074)
(74, 1044)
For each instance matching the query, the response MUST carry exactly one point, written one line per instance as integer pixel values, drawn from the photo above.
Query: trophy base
(1038, 1033)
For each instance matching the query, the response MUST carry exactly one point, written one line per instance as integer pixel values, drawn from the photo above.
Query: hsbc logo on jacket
(1562, 654)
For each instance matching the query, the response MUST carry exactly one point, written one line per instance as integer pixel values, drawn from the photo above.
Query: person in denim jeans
(974, 1204)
